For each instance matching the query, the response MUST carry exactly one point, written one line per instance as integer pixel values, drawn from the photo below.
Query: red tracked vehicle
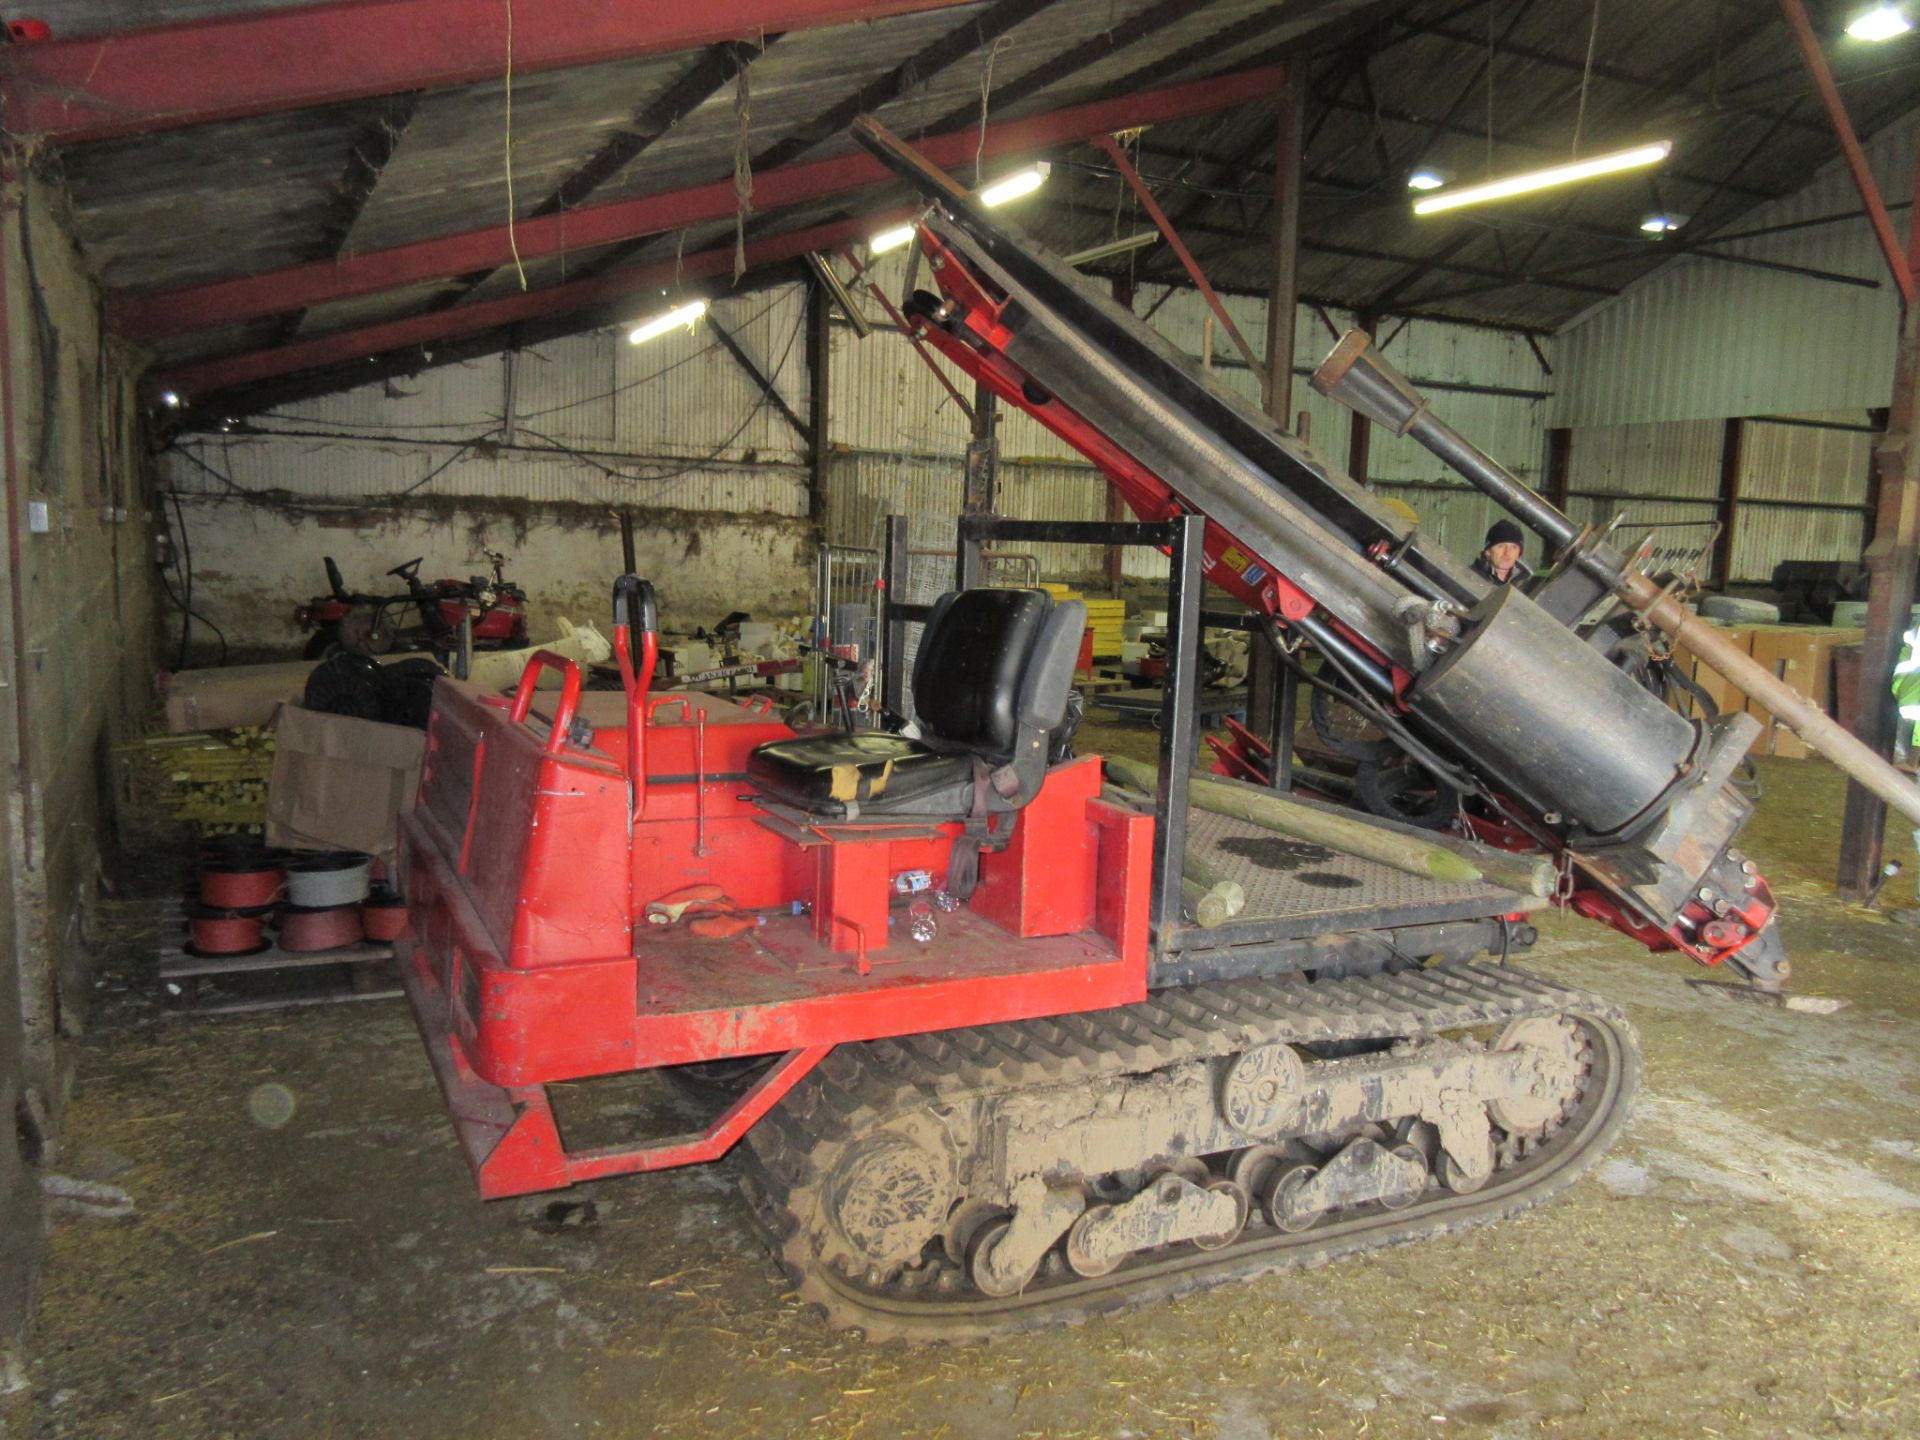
(1058, 1097)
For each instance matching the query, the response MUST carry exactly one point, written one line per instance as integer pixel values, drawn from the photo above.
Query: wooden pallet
(181, 973)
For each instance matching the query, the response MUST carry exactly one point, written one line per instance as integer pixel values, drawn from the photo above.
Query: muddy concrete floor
(307, 1258)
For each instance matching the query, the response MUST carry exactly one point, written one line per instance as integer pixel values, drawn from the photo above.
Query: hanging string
(513, 242)
(742, 164)
(1586, 74)
(1004, 42)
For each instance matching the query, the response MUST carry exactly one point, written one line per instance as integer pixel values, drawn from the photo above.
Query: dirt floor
(307, 1258)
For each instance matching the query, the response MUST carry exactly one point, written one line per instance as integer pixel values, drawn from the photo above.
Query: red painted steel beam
(1179, 247)
(1869, 188)
(343, 347)
(298, 287)
(65, 92)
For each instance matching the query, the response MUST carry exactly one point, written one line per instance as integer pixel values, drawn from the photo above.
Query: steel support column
(1269, 690)
(819, 402)
(894, 559)
(1890, 562)
(1559, 467)
(1733, 440)
(1179, 721)
(1283, 300)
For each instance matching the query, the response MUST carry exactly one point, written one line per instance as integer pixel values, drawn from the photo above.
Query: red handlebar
(569, 694)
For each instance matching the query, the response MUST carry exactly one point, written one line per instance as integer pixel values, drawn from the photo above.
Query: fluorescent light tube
(1540, 179)
(680, 317)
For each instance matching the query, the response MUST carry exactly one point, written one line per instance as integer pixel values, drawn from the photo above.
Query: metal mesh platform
(1298, 888)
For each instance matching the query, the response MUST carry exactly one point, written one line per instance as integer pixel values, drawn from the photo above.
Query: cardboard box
(229, 696)
(1803, 656)
(340, 783)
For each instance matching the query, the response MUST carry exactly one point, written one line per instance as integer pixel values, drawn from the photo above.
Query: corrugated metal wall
(1802, 487)
(1703, 338)
(676, 423)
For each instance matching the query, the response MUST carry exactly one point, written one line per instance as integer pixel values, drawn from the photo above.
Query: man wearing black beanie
(1500, 559)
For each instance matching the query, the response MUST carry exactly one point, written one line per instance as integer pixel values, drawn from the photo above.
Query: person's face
(1503, 556)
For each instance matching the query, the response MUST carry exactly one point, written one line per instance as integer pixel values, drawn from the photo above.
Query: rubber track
(859, 1087)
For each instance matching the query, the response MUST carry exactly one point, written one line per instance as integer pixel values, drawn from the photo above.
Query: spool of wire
(218, 932)
(325, 879)
(329, 927)
(383, 915)
(241, 884)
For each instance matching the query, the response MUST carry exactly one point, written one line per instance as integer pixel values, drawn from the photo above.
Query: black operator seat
(990, 686)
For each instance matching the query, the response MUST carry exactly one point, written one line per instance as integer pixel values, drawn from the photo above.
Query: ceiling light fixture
(170, 399)
(1011, 187)
(1021, 182)
(1137, 241)
(1540, 179)
(680, 317)
(1426, 178)
(1662, 224)
(1882, 22)
(890, 239)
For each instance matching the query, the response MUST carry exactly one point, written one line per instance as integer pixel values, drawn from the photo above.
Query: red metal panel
(301, 286)
(850, 897)
(164, 76)
(1126, 878)
(1043, 882)
(509, 1136)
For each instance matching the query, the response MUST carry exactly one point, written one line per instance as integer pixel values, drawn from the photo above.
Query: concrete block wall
(77, 655)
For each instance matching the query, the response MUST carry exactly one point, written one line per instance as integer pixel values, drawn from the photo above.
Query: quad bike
(426, 617)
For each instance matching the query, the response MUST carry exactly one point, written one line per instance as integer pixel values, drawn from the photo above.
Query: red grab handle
(569, 694)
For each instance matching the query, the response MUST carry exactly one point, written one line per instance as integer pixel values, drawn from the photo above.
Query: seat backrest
(992, 662)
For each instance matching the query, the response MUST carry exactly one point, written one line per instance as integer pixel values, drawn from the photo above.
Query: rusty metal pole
(1891, 557)
(1116, 505)
(1890, 562)
(1283, 300)
(1733, 443)
(1179, 247)
(1269, 715)
(1810, 51)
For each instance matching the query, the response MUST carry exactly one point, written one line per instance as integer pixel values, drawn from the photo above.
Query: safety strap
(963, 860)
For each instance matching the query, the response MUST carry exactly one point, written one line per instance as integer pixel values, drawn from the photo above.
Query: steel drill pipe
(1358, 378)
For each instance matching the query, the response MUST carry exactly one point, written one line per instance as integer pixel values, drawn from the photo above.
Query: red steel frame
(160, 77)
(225, 302)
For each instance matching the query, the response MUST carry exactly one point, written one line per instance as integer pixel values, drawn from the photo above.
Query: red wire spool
(327, 927)
(225, 932)
(384, 917)
(241, 884)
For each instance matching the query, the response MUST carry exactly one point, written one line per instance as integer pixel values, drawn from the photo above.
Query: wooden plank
(252, 1003)
(176, 963)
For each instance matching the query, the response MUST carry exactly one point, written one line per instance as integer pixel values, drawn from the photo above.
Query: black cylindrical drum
(1525, 697)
